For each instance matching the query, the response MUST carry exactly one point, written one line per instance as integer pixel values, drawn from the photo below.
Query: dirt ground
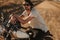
(50, 11)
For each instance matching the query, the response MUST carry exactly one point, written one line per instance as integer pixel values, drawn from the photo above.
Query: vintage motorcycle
(19, 33)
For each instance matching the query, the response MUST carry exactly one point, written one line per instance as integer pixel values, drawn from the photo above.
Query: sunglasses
(26, 4)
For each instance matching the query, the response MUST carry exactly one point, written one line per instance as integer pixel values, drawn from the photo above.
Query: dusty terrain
(50, 11)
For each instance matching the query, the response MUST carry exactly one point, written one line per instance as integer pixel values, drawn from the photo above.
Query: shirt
(36, 22)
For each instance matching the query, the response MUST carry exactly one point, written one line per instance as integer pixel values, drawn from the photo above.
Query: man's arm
(24, 21)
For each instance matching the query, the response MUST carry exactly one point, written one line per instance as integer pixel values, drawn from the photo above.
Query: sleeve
(38, 16)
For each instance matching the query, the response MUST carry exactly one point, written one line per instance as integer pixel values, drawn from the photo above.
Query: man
(37, 21)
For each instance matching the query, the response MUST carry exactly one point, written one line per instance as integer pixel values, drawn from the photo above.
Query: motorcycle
(15, 33)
